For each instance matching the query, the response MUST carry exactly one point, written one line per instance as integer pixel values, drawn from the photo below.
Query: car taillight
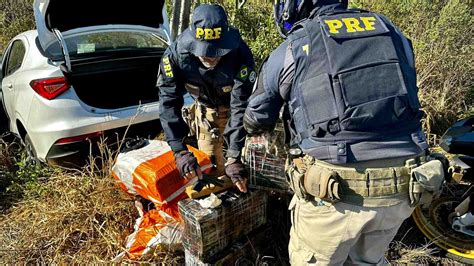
(50, 88)
(80, 138)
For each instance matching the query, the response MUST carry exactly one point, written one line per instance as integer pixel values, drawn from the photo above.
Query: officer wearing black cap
(347, 80)
(211, 62)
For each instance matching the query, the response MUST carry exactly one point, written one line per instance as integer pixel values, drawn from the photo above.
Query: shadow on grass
(10, 156)
(410, 246)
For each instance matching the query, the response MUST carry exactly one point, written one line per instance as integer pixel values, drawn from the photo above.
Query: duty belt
(366, 183)
(374, 182)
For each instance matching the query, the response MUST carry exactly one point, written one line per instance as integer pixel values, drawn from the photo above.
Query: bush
(16, 16)
(441, 32)
(19, 178)
(257, 26)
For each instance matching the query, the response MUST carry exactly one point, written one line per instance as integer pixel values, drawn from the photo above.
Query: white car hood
(69, 17)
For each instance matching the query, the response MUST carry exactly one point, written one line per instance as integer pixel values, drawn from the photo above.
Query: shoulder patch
(352, 25)
(243, 73)
(252, 76)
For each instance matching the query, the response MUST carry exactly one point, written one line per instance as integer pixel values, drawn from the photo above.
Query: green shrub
(16, 16)
(442, 37)
(441, 31)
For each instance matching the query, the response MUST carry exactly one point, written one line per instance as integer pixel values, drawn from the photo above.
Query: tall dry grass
(71, 216)
(79, 216)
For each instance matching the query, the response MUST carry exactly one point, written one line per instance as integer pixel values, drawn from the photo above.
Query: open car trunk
(111, 82)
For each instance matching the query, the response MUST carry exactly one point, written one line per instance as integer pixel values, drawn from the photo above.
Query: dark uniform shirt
(227, 84)
(273, 90)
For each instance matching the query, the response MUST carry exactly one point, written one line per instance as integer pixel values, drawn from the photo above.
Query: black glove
(186, 162)
(236, 171)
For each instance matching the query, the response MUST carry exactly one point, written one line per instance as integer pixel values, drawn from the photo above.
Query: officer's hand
(236, 171)
(187, 165)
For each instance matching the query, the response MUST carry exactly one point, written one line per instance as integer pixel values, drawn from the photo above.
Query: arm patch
(245, 73)
(167, 69)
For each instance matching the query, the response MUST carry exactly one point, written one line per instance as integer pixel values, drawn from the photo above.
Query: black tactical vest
(353, 83)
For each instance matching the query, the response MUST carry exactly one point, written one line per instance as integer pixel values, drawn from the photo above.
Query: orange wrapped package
(150, 172)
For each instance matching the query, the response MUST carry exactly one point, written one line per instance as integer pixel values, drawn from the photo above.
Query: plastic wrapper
(246, 251)
(150, 172)
(265, 158)
(209, 231)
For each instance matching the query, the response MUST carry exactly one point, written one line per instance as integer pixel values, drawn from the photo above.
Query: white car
(88, 70)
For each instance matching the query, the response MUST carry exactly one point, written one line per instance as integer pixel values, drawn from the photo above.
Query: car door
(10, 65)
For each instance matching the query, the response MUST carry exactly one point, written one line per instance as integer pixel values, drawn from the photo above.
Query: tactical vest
(353, 83)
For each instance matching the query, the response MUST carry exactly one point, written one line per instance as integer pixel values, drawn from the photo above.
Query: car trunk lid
(58, 19)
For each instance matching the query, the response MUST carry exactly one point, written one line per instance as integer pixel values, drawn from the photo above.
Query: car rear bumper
(78, 153)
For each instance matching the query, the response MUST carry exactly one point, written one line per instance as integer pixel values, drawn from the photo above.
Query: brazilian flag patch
(243, 73)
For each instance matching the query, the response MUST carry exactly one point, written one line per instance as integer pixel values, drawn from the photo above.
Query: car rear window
(109, 42)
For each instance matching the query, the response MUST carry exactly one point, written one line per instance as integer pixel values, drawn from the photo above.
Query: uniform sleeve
(171, 101)
(234, 133)
(272, 89)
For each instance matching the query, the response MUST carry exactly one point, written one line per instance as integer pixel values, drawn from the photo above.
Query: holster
(209, 121)
(308, 182)
(189, 116)
(426, 181)
(323, 183)
(295, 171)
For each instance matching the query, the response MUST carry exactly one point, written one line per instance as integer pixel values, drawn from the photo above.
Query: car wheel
(30, 151)
(4, 127)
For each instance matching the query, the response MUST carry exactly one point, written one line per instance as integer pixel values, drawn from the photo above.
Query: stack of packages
(265, 156)
(150, 173)
(218, 236)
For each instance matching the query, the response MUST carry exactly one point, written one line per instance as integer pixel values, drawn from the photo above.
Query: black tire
(460, 259)
(4, 125)
(30, 151)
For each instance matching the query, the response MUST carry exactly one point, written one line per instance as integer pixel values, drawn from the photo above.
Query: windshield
(108, 42)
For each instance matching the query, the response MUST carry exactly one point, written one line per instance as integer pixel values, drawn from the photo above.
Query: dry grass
(77, 219)
(78, 216)
(83, 217)
(9, 153)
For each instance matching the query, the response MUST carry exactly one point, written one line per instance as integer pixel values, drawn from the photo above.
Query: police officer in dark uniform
(348, 83)
(211, 62)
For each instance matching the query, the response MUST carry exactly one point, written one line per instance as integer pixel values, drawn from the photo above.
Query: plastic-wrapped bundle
(150, 172)
(245, 251)
(265, 157)
(209, 231)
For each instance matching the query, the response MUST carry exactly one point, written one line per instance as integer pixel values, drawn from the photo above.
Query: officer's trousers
(326, 234)
(212, 142)
(323, 233)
